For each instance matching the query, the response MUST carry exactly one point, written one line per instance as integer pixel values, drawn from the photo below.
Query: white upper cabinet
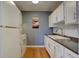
(54, 17)
(0, 14)
(66, 12)
(78, 12)
(60, 13)
(57, 16)
(50, 21)
(70, 12)
(11, 14)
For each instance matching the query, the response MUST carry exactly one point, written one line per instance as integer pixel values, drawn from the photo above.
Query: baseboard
(35, 46)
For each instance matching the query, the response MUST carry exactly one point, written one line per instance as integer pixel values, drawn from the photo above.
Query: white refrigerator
(10, 22)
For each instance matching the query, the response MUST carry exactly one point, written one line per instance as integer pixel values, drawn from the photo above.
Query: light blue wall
(36, 36)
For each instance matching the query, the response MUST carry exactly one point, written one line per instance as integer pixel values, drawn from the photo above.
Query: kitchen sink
(57, 37)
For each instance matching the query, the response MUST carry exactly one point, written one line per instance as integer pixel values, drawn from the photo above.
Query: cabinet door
(58, 50)
(54, 17)
(60, 15)
(0, 42)
(78, 12)
(10, 14)
(50, 21)
(46, 43)
(69, 54)
(0, 13)
(70, 12)
(49, 45)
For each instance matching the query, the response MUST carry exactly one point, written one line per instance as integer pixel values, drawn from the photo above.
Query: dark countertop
(70, 44)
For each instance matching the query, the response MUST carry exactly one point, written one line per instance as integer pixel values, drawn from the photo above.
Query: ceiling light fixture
(35, 1)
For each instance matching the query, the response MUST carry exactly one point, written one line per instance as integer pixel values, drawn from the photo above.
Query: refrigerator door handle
(1, 26)
(10, 27)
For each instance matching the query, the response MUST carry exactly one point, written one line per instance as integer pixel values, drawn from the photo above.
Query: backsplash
(69, 30)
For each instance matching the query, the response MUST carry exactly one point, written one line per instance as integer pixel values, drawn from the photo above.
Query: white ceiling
(41, 6)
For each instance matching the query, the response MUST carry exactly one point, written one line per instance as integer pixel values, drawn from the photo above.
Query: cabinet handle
(61, 56)
(56, 18)
(54, 47)
(74, 15)
(54, 51)
(70, 55)
(64, 17)
(49, 46)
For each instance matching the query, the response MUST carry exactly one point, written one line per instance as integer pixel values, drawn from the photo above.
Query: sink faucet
(61, 30)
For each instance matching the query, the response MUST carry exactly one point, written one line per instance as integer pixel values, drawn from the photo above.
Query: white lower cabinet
(56, 50)
(69, 54)
(51, 48)
(48, 45)
(50, 21)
